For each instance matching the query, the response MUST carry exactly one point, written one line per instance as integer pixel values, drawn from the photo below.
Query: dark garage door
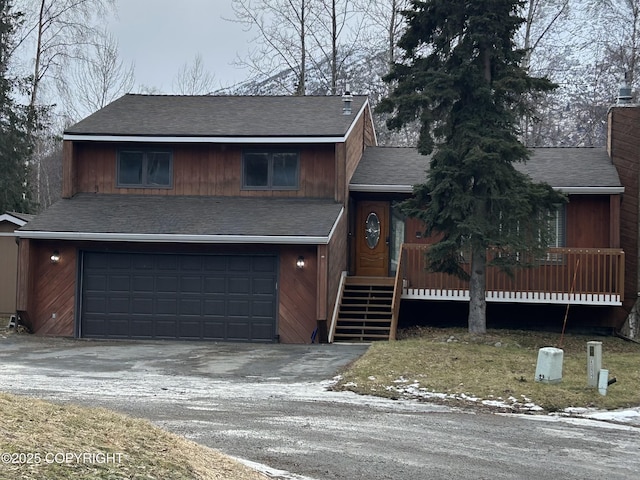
(210, 297)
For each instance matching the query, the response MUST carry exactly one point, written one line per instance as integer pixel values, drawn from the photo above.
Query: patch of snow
(271, 472)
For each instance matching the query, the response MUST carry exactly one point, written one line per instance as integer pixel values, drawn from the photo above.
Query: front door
(372, 238)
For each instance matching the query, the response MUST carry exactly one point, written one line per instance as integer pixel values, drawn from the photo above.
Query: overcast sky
(160, 36)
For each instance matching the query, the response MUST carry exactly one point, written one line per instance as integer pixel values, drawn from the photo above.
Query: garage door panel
(190, 306)
(238, 331)
(96, 282)
(215, 263)
(215, 284)
(118, 327)
(190, 329)
(141, 326)
(191, 284)
(238, 308)
(167, 283)
(117, 305)
(166, 306)
(264, 264)
(166, 262)
(190, 263)
(214, 307)
(166, 328)
(214, 330)
(94, 304)
(119, 283)
(262, 309)
(144, 263)
(261, 331)
(217, 297)
(262, 286)
(143, 283)
(142, 306)
(239, 285)
(239, 264)
(118, 262)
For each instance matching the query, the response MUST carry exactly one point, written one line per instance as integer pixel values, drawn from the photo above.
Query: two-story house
(274, 219)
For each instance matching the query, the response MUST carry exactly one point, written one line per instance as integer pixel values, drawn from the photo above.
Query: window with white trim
(558, 228)
(142, 168)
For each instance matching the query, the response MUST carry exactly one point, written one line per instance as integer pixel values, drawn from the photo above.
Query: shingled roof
(186, 219)
(220, 116)
(397, 169)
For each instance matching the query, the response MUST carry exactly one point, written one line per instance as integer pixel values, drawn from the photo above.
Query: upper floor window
(270, 170)
(144, 168)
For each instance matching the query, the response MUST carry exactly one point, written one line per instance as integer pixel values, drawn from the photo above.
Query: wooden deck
(580, 276)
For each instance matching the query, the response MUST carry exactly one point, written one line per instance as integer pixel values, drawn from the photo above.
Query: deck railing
(564, 275)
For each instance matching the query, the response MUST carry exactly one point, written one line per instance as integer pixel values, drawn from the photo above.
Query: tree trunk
(477, 288)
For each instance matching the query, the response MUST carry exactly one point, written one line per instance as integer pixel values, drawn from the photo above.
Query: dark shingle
(155, 215)
(220, 116)
(559, 167)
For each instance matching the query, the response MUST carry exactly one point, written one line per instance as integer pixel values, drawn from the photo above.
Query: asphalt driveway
(269, 404)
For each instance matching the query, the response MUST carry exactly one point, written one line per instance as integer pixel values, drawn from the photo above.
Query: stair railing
(336, 307)
(397, 294)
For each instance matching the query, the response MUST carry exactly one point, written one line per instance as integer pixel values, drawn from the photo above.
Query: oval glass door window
(372, 230)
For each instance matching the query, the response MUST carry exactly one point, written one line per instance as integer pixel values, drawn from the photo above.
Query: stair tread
(361, 337)
(361, 320)
(365, 328)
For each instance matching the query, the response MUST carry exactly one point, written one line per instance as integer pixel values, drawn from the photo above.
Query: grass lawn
(496, 369)
(63, 442)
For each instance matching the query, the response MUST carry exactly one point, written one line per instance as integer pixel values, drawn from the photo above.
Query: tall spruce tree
(461, 77)
(15, 143)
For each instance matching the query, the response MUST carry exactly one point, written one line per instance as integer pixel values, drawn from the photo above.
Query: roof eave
(367, 188)
(7, 217)
(370, 188)
(590, 190)
(200, 139)
(174, 238)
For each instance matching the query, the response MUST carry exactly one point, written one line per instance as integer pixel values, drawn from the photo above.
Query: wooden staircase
(365, 310)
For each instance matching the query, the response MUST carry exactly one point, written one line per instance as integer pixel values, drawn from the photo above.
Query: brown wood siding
(337, 251)
(297, 293)
(207, 169)
(614, 221)
(69, 174)
(624, 145)
(54, 287)
(588, 221)
(321, 295)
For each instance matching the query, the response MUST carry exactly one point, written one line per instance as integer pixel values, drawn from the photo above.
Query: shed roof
(198, 219)
(220, 116)
(575, 170)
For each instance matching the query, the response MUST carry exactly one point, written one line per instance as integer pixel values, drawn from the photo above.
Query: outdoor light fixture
(55, 256)
(300, 262)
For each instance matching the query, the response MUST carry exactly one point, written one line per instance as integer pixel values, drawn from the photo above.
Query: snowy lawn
(496, 370)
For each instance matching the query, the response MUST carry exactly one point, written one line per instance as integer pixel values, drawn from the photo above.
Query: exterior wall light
(55, 256)
(300, 262)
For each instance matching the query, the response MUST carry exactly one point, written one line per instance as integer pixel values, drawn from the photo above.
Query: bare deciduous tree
(58, 30)
(97, 77)
(281, 39)
(193, 79)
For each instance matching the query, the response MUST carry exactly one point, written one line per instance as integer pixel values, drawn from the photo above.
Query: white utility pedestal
(549, 367)
(594, 363)
(603, 381)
